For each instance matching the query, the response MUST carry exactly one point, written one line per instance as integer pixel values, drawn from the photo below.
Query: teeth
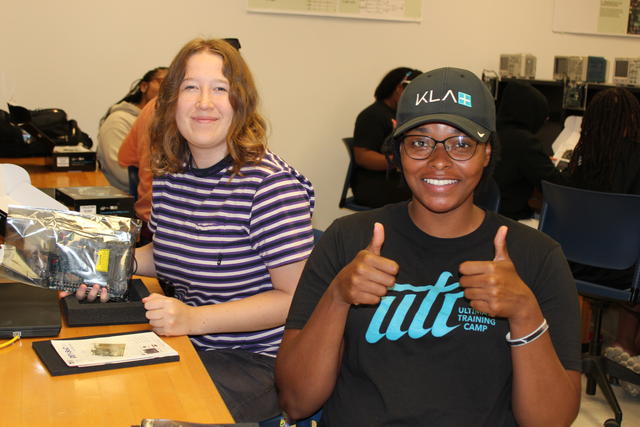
(439, 181)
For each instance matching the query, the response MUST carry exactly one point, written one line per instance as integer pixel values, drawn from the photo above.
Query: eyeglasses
(420, 147)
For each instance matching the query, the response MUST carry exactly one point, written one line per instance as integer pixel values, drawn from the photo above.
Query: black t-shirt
(522, 165)
(522, 161)
(423, 356)
(373, 125)
(376, 188)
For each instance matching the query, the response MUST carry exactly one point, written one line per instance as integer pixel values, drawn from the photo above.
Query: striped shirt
(217, 236)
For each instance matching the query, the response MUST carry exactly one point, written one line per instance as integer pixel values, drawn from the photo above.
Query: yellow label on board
(103, 260)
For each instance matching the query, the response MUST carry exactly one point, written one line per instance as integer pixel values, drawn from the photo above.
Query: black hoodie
(522, 163)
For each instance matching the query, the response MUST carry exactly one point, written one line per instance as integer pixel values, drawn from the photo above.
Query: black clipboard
(56, 366)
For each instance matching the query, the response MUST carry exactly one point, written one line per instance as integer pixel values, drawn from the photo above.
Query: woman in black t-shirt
(373, 182)
(439, 318)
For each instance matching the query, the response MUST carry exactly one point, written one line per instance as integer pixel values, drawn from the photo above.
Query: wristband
(528, 338)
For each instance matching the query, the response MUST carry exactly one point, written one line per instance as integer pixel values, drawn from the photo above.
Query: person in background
(231, 224)
(135, 151)
(607, 158)
(374, 183)
(522, 162)
(435, 311)
(116, 123)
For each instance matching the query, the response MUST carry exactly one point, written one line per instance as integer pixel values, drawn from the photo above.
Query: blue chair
(133, 181)
(317, 233)
(348, 202)
(602, 230)
(488, 197)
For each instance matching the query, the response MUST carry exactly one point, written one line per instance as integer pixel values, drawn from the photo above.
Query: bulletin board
(604, 17)
(393, 10)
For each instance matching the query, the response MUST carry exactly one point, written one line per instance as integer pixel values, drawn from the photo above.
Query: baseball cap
(447, 95)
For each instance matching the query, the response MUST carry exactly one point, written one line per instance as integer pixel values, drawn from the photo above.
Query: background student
(116, 123)
(522, 162)
(136, 151)
(374, 183)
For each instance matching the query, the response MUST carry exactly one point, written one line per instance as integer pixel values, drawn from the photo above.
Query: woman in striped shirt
(231, 222)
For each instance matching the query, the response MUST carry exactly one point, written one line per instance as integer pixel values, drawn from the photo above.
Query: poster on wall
(605, 17)
(393, 10)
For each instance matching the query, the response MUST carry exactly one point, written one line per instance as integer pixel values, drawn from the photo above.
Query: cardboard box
(104, 200)
(72, 158)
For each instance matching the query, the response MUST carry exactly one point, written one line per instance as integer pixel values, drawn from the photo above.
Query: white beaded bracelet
(529, 338)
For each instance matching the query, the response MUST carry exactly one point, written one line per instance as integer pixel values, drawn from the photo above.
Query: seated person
(522, 162)
(231, 223)
(135, 151)
(374, 183)
(606, 158)
(117, 122)
(433, 310)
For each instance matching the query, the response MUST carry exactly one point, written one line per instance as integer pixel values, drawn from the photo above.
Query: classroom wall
(314, 73)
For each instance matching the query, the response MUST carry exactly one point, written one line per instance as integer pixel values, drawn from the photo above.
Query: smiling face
(439, 184)
(203, 111)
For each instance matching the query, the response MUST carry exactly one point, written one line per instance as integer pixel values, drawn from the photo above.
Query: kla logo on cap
(428, 97)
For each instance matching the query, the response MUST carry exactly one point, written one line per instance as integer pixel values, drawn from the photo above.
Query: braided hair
(610, 133)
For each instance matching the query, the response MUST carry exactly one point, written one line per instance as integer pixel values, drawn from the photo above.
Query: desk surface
(122, 397)
(42, 176)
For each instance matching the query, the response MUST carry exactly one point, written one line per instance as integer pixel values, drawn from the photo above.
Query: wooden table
(42, 176)
(122, 397)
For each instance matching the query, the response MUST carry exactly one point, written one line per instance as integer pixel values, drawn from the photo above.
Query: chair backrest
(317, 233)
(133, 181)
(349, 202)
(594, 228)
(489, 196)
(348, 143)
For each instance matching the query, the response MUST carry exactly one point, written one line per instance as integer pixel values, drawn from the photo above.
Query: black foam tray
(81, 313)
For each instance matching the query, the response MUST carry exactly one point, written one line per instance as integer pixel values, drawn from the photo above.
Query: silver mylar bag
(61, 250)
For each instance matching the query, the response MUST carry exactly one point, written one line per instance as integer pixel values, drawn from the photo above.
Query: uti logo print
(430, 97)
(442, 294)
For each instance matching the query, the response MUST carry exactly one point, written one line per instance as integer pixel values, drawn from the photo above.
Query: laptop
(30, 310)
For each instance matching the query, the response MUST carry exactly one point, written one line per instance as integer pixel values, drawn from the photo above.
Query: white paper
(566, 141)
(112, 349)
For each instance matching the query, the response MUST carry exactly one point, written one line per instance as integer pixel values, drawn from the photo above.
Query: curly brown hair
(246, 139)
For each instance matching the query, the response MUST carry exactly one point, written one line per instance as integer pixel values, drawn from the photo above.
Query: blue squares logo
(464, 99)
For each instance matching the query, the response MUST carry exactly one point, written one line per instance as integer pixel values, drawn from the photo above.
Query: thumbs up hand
(500, 244)
(366, 279)
(494, 287)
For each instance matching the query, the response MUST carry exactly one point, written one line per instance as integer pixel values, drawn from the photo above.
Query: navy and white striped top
(216, 236)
